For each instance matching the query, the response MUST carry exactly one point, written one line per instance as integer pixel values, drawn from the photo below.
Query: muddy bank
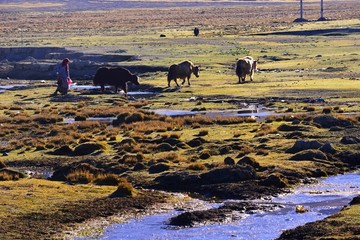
(49, 225)
(260, 219)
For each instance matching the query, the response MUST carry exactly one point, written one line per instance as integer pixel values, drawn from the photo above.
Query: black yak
(196, 32)
(182, 71)
(117, 77)
(245, 66)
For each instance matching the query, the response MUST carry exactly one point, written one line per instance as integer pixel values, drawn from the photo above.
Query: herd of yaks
(119, 76)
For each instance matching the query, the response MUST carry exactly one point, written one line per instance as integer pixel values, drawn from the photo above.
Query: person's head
(65, 61)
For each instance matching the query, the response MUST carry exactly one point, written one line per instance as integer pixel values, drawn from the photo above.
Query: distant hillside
(82, 5)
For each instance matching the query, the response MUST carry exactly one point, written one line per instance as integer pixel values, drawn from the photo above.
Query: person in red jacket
(63, 77)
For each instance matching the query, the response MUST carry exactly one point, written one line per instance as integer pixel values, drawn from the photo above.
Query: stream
(322, 199)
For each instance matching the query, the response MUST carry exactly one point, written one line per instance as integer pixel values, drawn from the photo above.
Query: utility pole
(301, 19)
(322, 18)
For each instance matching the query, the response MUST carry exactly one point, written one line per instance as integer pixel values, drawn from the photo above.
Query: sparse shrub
(40, 147)
(158, 168)
(238, 133)
(80, 118)
(47, 119)
(2, 165)
(80, 176)
(129, 159)
(87, 148)
(89, 125)
(224, 150)
(197, 167)
(164, 147)
(309, 108)
(125, 189)
(249, 161)
(15, 107)
(173, 157)
(205, 154)
(108, 179)
(327, 110)
(244, 150)
(112, 138)
(135, 117)
(203, 133)
(265, 129)
(275, 179)
(262, 152)
(139, 166)
(4, 176)
(175, 135)
(10, 175)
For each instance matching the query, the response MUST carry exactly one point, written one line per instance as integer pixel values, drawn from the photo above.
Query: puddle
(7, 87)
(37, 172)
(252, 111)
(331, 195)
(103, 119)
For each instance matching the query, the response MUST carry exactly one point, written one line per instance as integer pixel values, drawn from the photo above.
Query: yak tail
(172, 72)
(238, 70)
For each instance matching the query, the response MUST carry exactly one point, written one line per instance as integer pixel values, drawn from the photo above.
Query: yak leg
(176, 82)
(124, 87)
(244, 77)
(184, 79)
(188, 81)
(251, 76)
(102, 88)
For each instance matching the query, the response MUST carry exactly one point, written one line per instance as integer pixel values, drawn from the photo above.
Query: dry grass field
(308, 75)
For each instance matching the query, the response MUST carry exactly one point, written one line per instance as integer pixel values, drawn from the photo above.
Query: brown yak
(183, 71)
(117, 77)
(245, 66)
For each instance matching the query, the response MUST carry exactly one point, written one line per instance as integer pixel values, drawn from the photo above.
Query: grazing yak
(182, 70)
(196, 32)
(245, 66)
(117, 77)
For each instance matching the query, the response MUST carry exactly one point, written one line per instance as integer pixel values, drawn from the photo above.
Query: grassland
(303, 69)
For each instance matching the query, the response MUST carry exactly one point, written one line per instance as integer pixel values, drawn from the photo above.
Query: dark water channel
(321, 199)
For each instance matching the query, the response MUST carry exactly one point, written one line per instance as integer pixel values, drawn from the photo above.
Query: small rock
(327, 121)
(350, 140)
(229, 161)
(249, 161)
(300, 209)
(327, 148)
(158, 168)
(310, 154)
(301, 145)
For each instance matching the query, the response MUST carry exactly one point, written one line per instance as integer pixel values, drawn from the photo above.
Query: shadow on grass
(318, 32)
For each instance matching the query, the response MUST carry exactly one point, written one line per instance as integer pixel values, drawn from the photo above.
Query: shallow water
(257, 113)
(7, 87)
(321, 199)
(91, 87)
